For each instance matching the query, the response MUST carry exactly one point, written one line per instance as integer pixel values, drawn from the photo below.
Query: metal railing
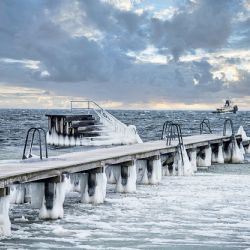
(32, 132)
(172, 131)
(205, 122)
(103, 115)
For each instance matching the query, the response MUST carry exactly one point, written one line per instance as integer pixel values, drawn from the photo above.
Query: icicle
(53, 207)
(154, 176)
(93, 188)
(126, 178)
(217, 157)
(75, 182)
(110, 175)
(193, 159)
(205, 161)
(5, 225)
(237, 154)
(17, 194)
(182, 167)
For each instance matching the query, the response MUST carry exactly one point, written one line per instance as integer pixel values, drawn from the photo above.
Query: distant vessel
(227, 108)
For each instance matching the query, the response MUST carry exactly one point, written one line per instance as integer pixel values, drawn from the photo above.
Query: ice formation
(243, 134)
(5, 225)
(205, 160)
(193, 159)
(217, 157)
(182, 167)
(52, 206)
(126, 178)
(75, 182)
(37, 194)
(149, 171)
(93, 188)
(126, 135)
(17, 194)
(237, 153)
(110, 174)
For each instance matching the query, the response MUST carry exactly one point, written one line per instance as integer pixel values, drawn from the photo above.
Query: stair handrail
(104, 115)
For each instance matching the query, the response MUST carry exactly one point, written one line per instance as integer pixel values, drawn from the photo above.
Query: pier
(44, 183)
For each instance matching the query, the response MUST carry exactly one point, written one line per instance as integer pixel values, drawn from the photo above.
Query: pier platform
(35, 169)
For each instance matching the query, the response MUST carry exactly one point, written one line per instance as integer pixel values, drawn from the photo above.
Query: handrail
(207, 123)
(105, 116)
(165, 126)
(173, 131)
(34, 130)
(228, 120)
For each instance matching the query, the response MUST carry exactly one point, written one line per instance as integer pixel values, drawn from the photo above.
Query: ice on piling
(17, 194)
(5, 225)
(237, 153)
(218, 157)
(182, 165)
(149, 174)
(127, 185)
(205, 161)
(193, 159)
(95, 193)
(56, 211)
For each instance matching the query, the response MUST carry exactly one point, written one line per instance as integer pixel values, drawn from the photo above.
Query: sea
(209, 210)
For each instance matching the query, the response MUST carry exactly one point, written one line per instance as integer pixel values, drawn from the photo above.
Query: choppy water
(210, 210)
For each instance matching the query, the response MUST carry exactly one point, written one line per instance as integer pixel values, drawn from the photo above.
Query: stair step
(79, 118)
(84, 123)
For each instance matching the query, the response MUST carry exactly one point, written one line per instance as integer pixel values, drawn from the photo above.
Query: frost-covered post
(204, 157)
(125, 174)
(93, 186)
(53, 198)
(192, 154)
(149, 171)
(5, 226)
(217, 153)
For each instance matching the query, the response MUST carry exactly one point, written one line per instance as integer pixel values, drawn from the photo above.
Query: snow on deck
(36, 169)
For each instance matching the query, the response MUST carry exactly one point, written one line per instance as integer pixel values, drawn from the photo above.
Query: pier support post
(93, 186)
(17, 193)
(5, 225)
(192, 154)
(149, 171)
(54, 195)
(204, 157)
(167, 162)
(110, 173)
(237, 152)
(217, 153)
(126, 177)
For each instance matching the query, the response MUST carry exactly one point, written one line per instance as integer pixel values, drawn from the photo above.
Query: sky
(125, 54)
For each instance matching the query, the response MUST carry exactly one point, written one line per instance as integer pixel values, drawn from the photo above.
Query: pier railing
(105, 117)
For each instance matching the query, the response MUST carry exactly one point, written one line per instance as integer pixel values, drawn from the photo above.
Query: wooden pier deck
(36, 169)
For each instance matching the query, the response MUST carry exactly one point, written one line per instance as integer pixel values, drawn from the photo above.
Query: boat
(227, 108)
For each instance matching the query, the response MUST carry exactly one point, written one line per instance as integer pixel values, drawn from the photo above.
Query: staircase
(89, 125)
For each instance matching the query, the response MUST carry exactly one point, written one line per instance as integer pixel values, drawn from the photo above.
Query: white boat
(227, 108)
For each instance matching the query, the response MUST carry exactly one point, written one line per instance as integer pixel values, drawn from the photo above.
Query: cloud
(106, 51)
(203, 24)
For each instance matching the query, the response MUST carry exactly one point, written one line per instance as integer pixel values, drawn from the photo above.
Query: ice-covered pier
(44, 183)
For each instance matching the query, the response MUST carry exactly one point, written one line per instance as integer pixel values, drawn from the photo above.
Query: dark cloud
(99, 67)
(206, 24)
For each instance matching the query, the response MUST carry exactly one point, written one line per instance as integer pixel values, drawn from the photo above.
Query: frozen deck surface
(36, 169)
